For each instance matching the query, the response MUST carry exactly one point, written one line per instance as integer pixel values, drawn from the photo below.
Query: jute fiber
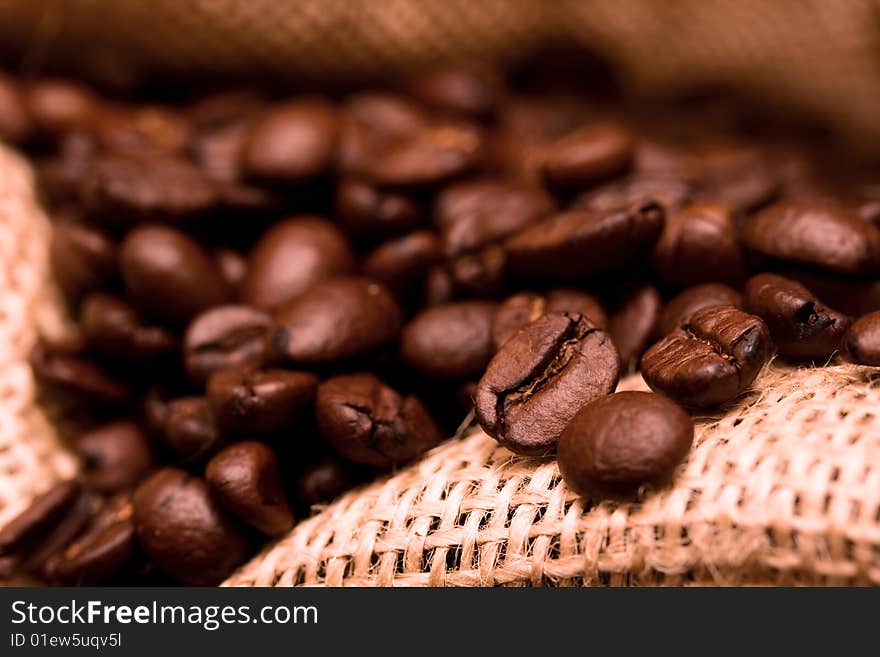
(783, 489)
(818, 55)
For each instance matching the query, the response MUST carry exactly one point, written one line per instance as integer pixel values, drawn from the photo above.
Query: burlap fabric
(819, 55)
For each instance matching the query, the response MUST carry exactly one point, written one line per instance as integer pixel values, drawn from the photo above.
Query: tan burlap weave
(820, 55)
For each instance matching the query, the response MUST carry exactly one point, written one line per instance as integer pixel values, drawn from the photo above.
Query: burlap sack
(817, 55)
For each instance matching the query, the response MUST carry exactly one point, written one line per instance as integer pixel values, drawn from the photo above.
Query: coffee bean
(115, 456)
(712, 358)
(335, 320)
(232, 266)
(371, 424)
(62, 175)
(262, 402)
(695, 298)
(106, 550)
(822, 236)
(403, 263)
(113, 330)
(323, 482)
(462, 90)
(525, 307)
(741, 177)
(57, 107)
(367, 211)
(291, 257)
(801, 327)
(852, 296)
(439, 286)
(483, 273)
(39, 517)
(621, 442)
(588, 155)
(169, 276)
(634, 323)
(64, 368)
(450, 341)
(190, 429)
(671, 192)
(183, 530)
(15, 123)
(474, 214)
(120, 190)
(699, 245)
(432, 156)
(246, 480)
(292, 142)
(541, 378)
(225, 336)
(146, 129)
(862, 341)
(82, 258)
(585, 243)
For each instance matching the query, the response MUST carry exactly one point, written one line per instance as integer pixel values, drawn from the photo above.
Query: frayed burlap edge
(784, 489)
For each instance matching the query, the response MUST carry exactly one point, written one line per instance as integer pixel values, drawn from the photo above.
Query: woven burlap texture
(782, 489)
(814, 54)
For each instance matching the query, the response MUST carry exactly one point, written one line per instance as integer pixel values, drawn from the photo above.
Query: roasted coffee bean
(105, 550)
(403, 263)
(190, 429)
(335, 320)
(183, 530)
(541, 378)
(432, 156)
(698, 245)
(169, 276)
(695, 298)
(712, 358)
(292, 142)
(584, 243)
(232, 265)
(323, 482)
(57, 107)
(862, 342)
(223, 337)
(450, 341)
(371, 424)
(64, 368)
(120, 190)
(463, 90)
(113, 330)
(115, 456)
(147, 129)
(40, 517)
(588, 156)
(15, 123)
(246, 480)
(291, 257)
(473, 214)
(855, 297)
(82, 258)
(525, 307)
(621, 442)
(481, 274)
(249, 401)
(367, 211)
(634, 323)
(62, 175)
(739, 176)
(822, 236)
(801, 327)
(671, 192)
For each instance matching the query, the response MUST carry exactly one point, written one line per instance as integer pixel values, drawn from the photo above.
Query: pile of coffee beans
(279, 298)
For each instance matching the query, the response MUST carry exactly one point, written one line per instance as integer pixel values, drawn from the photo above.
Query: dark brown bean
(621, 442)
(232, 265)
(671, 192)
(403, 263)
(249, 401)
(698, 245)
(323, 482)
(367, 211)
(57, 107)
(39, 517)
(190, 429)
(184, 532)
(712, 358)
(450, 341)
(62, 175)
(802, 328)
(634, 323)
(142, 129)
(483, 273)
(695, 298)
(862, 341)
(113, 330)
(819, 235)
(82, 258)
(369, 423)
(588, 155)
(541, 378)
(523, 308)
(335, 320)
(223, 337)
(291, 257)
(169, 276)
(246, 479)
(64, 368)
(115, 456)
(463, 90)
(584, 243)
